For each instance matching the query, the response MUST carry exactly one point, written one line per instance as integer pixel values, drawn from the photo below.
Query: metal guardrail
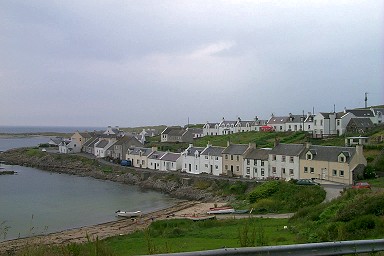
(317, 249)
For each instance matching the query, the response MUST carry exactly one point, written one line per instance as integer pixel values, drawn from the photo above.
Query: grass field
(185, 235)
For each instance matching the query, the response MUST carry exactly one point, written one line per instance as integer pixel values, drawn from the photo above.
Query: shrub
(263, 191)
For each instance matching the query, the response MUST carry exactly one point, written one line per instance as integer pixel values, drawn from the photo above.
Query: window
(237, 158)
(273, 157)
(185, 166)
(283, 158)
(291, 159)
(283, 170)
(248, 170)
(226, 156)
(341, 173)
(342, 159)
(217, 167)
(262, 172)
(248, 162)
(338, 122)
(291, 172)
(196, 167)
(206, 157)
(306, 169)
(138, 161)
(334, 173)
(262, 163)
(231, 157)
(255, 170)
(226, 167)
(142, 162)
(309, 156)
(312, 170)
(217, 158)
(255, 162)
(206, 165)
(237, 168)
(274, 170)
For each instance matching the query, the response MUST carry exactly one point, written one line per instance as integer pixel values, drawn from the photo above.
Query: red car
(360, 185)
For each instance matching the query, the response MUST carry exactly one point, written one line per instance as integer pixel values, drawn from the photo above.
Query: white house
(295, 123)
(324, 124)
(210, 129)
(211, 160)
(255, 126)
(227, 127)
(243, 126)
(378, 114)
(102, 146)
(284, 161)
(154, 160)
(170, 162)
(256, 164)
(69, 146)
(278, 123)
(191, 159)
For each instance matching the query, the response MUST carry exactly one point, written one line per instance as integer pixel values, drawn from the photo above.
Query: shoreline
(100, 231)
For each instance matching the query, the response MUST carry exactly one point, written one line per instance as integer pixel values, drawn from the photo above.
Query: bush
(263, 191)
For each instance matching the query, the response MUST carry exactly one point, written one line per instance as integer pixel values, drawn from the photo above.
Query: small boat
(128, 214)
(240, 211)
(221, 210)
(201, 217)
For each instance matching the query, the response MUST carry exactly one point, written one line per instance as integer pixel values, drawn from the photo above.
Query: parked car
(360, 185)
(306, 182)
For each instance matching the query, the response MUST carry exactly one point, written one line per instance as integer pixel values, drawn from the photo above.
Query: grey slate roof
(102, 144)
(296, 119)
(224, 123)
(172, 157)
(278, 120)
(212, 151)
(256, 153)
(156, 155)
(91, 142)
(174, 131)
(360, 112)
(137, 150)
(235, 149)
(364, 122)
(328, 153)
(191, 151)
(287, 149)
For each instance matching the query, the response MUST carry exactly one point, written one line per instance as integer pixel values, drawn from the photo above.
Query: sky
(132, 63)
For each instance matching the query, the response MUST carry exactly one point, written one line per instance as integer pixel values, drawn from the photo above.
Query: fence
(317, 249)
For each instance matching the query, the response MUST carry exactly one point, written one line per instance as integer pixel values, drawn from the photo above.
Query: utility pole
(366, 100)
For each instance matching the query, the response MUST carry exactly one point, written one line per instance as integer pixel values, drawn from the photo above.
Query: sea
(35, 202)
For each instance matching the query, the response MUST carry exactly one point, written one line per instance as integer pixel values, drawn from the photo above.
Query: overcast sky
(139, 62)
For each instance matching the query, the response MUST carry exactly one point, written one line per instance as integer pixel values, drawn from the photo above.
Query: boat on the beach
(126, 214)
(221, 210)
(200, 217)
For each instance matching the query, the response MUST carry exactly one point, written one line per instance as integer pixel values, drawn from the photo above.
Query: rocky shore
(177, 185)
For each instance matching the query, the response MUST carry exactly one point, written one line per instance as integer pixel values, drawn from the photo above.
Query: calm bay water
(38, 202)
(16, 142)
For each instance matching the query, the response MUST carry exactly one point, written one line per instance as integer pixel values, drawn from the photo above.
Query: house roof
(172, 157)
(287, 149)
(156, 155)
(235, 149)
(195, 130)
(127, 139)
(225, 123)
(211, 124)
(278, 120)
(137, 150)
(213, 151)
(102, 144)
(174, 131)
(244, 123)
(364, 122)
(91, 142)
(296, 119)
(256, 153)
(328, 153)
(360, 112)
(191, 151)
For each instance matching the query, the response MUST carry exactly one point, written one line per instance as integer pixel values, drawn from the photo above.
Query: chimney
(359, 150)
(228, 143)
(209, 144)
(223, 119)
(154, 149)
(252, 145)
(307, 145)
(256, 118)
(239, 119)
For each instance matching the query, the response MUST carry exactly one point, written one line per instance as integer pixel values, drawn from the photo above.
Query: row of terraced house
(283, 161)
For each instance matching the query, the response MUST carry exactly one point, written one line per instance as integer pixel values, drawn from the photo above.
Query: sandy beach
(119, 227)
